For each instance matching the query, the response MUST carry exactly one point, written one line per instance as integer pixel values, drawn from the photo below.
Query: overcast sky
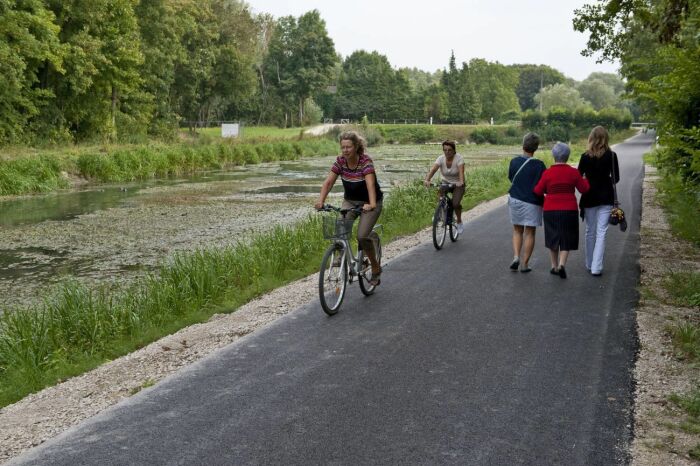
(422, 34)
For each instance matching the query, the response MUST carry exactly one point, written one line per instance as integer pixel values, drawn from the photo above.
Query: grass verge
(26, 174)
(79, 328)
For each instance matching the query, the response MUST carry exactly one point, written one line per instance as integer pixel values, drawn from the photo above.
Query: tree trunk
(301, 111)
(114, 112)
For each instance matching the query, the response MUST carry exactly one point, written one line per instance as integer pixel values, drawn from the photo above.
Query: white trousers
(596, 229)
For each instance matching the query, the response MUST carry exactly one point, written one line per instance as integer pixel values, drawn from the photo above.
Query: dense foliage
(658, 45)
(125, 70)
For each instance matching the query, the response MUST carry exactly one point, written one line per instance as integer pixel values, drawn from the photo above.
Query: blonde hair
(357, 141)
(598, 142)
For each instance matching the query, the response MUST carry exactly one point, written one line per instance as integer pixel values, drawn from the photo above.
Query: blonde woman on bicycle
(451, 166)
(356, 170)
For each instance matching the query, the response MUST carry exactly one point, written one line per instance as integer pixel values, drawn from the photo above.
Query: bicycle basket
(337, 227)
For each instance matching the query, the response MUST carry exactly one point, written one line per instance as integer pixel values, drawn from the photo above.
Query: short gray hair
(560, 152)
(531, 142)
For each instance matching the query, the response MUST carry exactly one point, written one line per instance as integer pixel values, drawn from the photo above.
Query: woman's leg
(457, 196)
(563, 256)
(591, 218)
(364, 235)
(553, 259)
(517, 240)
(528, 245)
(601, 230)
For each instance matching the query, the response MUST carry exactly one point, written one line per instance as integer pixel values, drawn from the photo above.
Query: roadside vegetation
(25, 171)
(78, 328)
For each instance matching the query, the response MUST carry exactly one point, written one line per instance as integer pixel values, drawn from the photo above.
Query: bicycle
(444, 217)
(339, 265)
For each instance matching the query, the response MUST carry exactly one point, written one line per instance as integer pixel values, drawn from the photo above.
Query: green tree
(598, 93)
(658, 48)
(463, 104)
(28, 42)
(435, 103)
(300, 60)
(99, 84)
(495, 86)
(560, 96)
(531, 79)
(365, 87)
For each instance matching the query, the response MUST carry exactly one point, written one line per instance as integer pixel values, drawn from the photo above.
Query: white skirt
(524, 213)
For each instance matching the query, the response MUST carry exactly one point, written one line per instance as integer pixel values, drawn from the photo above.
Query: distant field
(258, 132)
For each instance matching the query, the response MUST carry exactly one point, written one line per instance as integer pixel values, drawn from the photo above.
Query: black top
(598, 171)
(354, 178)
(526, 180)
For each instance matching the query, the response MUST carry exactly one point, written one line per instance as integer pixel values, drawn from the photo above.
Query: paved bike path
(455, 360)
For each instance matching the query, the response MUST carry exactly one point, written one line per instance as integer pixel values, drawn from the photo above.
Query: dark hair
(357, 141)
(531, 142)
(451, 144)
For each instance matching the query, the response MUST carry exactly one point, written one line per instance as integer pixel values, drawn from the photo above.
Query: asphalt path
(455, 360)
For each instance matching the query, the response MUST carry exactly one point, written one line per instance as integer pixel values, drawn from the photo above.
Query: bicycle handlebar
(332, 208)
(442, 183)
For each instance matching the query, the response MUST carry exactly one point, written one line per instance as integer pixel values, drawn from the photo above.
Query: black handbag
(617, 215)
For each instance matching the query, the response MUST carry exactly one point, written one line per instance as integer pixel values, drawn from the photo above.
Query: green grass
(686, 340)
(681, 201)
(255, 132)
(78, 328)
(690, 404)
(23, 174)
(683, 288)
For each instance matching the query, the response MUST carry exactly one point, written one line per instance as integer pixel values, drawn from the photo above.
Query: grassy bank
(78, 328)
(26, 173)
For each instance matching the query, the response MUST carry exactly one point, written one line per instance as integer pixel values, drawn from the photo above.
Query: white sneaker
(460, 228)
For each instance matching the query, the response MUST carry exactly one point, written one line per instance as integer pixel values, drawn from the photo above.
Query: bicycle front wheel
(333, 279)
(366, 268)
(439, 227)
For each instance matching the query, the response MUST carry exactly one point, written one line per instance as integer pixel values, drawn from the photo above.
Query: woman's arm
(582, 184)
(325, 189)
(371, 181)
(617, 168)
(430, 174)
(541, 186)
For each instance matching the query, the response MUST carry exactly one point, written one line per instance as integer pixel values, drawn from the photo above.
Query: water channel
(111, 233)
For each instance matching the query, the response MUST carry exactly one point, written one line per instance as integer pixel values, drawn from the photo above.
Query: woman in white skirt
(524, 205)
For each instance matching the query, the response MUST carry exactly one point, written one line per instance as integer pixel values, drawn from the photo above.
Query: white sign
(229, 130)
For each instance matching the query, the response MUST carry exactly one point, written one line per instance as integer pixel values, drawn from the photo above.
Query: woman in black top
(597, 164)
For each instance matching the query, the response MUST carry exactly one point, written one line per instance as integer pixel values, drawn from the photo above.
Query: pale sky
(422, 34)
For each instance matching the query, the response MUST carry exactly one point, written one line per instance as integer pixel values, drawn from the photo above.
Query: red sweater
(558, 182)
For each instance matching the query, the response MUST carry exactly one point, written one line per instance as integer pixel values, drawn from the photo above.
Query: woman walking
(599, 165)
(558, 183)
(524, 205)
(356, 170)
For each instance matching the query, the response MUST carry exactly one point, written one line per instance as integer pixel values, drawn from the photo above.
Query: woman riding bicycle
(356, 170)
(451, 166)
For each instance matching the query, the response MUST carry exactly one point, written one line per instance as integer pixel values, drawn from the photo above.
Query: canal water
(113, 233)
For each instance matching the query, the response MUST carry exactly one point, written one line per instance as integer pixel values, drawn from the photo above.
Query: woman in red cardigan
(560, 208)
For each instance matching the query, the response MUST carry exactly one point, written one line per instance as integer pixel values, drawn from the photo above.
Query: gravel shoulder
(50, 412)
(658, 373)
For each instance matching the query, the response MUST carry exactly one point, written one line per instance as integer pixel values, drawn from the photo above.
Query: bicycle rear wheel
(366, 268)
(333, 279)
(439, 227)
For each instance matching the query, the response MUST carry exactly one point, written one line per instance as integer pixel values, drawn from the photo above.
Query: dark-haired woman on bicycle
(356, 170)
(451, 166)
